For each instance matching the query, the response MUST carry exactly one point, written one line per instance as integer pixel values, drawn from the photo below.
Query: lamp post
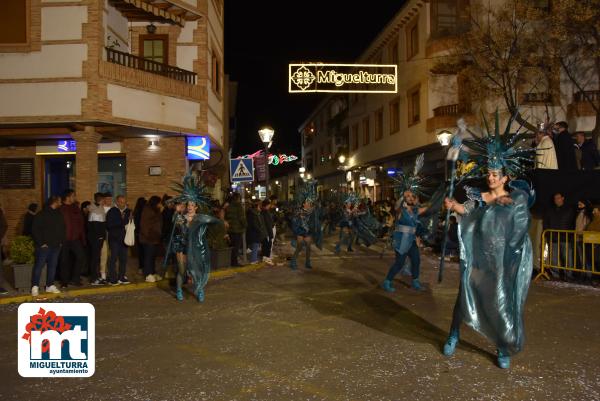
(444, 138)
(266, 136)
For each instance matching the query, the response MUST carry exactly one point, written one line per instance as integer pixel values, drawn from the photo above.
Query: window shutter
(17, 173)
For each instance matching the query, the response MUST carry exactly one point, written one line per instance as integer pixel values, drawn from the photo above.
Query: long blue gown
(496, 265)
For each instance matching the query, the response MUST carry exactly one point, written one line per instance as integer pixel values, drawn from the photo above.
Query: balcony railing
(594, 96)
(450, 110)
(537, 97)
(140, 63)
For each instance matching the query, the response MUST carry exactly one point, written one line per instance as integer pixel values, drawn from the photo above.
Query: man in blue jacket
(116, 220)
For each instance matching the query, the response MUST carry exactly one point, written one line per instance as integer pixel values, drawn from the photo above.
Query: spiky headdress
(191, 189)
(352, 198)
(495, 151)
(411, 181)
(307, 192)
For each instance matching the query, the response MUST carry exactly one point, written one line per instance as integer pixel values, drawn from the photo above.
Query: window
(216, 73)
(414, 105)
(16, 173)
(449, 17)
(393, 52)
(13, 22)
(155, 48)
(394, 116)
(378, 124)
(366, 133)
(412, 40)
(355, 137)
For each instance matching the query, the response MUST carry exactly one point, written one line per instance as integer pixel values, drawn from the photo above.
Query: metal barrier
(568, 251)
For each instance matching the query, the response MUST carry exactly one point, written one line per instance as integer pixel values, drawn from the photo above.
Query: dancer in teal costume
(193, 244)
(496, 253)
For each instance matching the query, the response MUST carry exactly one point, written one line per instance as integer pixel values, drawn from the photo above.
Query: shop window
(394, 116)
(112, 175)
(17, 173)
(412, 40)
(355, 137)
(366, 133)
(414, 105)
(155, 48)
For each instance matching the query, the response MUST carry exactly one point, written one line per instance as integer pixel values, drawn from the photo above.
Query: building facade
(379, 133)
(103, 95)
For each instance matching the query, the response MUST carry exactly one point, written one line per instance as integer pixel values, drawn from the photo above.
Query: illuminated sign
(348, 78)
(66, 146)
(391, 171)
(198, 148)
(273, 159)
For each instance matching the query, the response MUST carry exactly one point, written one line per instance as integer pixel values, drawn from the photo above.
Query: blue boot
(416, 285)
(387, 286)
(307, 265)
(503, 360)
(293, 264)
(337, 249)
(200, 296)
(450, 345)
(179, 294)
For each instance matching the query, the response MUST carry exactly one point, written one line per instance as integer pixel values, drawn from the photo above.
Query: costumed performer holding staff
(495, 249)
(188, 240)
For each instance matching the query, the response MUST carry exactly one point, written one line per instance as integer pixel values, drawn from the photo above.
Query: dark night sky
(262, 37)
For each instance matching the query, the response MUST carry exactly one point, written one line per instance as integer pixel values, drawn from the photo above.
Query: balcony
(583, 103)
(446, 116)
(139, 63)
(537, 97)
(450, 110)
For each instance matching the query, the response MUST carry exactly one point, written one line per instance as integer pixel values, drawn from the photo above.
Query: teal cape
(496, 267)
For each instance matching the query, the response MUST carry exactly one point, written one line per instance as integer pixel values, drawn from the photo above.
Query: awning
(155, 10)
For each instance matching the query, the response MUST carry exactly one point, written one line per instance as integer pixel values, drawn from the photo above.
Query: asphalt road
(329, 333)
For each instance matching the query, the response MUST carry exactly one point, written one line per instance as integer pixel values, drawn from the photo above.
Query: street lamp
(266, 136)
(444, 138)
(342, 158)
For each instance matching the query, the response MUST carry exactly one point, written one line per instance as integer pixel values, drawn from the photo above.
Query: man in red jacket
(72, 249)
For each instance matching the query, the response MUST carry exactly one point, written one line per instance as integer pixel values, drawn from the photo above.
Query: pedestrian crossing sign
(242, 170)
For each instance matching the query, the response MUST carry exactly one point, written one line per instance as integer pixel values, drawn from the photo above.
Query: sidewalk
(138, 283)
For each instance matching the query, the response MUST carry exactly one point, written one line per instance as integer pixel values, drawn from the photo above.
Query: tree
(500, 54)
(573, 39)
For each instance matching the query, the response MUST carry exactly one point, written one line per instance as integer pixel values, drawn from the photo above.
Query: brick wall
(170, 156)
(14, 202)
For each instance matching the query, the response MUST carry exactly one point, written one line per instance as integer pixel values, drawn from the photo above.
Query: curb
(219, 274)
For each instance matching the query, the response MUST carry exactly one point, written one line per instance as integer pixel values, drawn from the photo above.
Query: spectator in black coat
(560, 217)
(268, 221)
(137, 220)
(3, 229)
(586, 152)
(565, 146)
(28, 220)
(116, 220)
(49, 233)
(256, 232)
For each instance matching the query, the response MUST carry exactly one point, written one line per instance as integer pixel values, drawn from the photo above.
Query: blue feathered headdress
(495, 151)
(191, 189)
(411, 181)
(307, 192)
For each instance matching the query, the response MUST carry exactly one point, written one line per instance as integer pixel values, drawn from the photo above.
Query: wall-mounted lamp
(153, 144)
(444, 138)
(151, 29)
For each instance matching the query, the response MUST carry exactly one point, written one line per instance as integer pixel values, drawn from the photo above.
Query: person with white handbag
(117, 218)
